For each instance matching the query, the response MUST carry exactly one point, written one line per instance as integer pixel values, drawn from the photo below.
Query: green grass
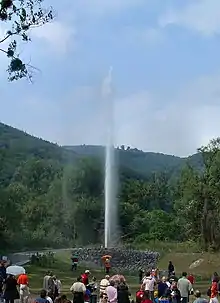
(182, 261)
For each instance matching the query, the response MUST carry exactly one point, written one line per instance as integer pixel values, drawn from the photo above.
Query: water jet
(110, 166)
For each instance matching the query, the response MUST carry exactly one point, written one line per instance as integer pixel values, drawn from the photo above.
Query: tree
(21, 15)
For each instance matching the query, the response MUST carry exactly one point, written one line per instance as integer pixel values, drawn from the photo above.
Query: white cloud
(59, 36)
(177, 126)
(202, 16)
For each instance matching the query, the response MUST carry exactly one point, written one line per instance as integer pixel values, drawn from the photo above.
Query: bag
(209, 292)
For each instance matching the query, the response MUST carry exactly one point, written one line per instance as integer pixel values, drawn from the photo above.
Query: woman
(214, 291)
(10, 292)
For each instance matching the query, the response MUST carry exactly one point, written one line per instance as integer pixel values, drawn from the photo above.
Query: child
(146, 297)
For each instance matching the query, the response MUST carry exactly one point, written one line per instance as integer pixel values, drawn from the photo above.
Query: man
(74, 262)
(78, 289)
(47, 277)
(170, 268)
(85, 277)
(184, 287)
(42, 298)
(198, 298)
(24, 289)
(149, 283)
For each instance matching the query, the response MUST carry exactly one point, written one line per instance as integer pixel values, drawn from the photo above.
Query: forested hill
(143, 163)
(17, 146)
(54, 196)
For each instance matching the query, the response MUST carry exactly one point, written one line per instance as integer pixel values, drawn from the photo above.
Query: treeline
(49, 204)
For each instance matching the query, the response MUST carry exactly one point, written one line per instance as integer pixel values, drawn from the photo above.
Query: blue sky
(166, 74)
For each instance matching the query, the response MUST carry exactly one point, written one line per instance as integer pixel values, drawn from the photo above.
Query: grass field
(182, 261)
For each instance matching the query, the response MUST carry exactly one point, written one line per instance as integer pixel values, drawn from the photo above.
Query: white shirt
(49, 299)
(149, 283)
(58, 284)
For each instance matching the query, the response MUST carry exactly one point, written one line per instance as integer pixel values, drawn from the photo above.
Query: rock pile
(122, 259)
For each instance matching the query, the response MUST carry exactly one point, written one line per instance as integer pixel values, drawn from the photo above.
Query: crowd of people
(153, 288)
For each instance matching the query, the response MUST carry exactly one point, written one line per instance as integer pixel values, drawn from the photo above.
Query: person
(175, 293)
(107, 266)
(146, 297)
(156, 297)
(85, 277)
(78, 289)
(184, 287)
(112, 293)
(214, 291)
(47, 280)
(173, 277)
(10, 292)
(191, 278)
(87, 295)
(162, 287)
(215, 277)
(170, 268)
(49, 297)
(149, 283)
(42, 298)
(23, 286)
(139, 295)
(75, 261)
(123, 293)
(198, 297)
(3, 271)
(140, 275)
(93, 287)
(57, 287)
(1, 289)
(103, 284)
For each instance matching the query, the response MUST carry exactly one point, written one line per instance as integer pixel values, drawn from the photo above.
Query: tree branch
(9, 35)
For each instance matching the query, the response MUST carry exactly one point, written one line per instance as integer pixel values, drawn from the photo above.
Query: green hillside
(17, 146)
(51, 196)
(142, 163)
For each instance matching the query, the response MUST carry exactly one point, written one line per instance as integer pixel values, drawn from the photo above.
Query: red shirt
(85, 279)
(22, 279)
(147, 301)
(139, 295)
(214, 289)
(191, 279)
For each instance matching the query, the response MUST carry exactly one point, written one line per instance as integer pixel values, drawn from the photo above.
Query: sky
(165, 77)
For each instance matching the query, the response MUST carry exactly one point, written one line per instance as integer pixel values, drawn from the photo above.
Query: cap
(87, 271)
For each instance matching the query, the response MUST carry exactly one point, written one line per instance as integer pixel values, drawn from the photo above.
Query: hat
(87, 271)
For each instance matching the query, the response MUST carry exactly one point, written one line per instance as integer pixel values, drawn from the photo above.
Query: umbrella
(117, 278)
(15, 270)
(106, 257)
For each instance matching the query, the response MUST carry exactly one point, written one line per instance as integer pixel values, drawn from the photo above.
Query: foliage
(22, 16)
(51, 196)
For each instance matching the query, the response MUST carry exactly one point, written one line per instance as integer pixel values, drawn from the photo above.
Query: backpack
(209, 292)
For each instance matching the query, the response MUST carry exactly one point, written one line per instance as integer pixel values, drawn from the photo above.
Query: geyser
(111, 235)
